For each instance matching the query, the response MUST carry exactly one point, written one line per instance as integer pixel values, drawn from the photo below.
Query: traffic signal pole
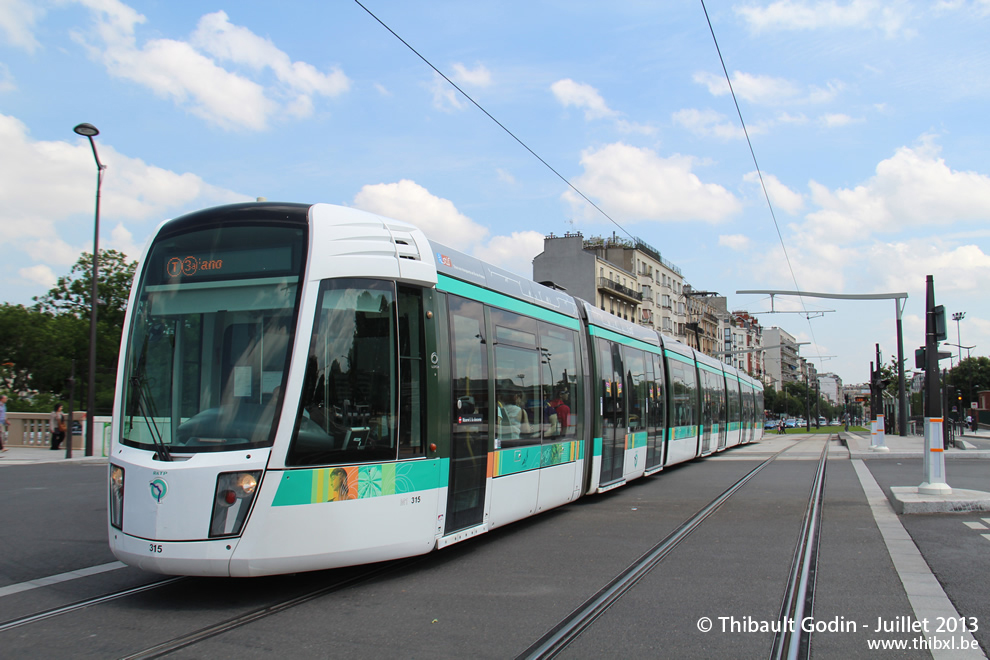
(934, 463)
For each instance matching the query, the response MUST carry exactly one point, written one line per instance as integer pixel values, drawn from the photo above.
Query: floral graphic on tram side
(369, 481)
(552, 454)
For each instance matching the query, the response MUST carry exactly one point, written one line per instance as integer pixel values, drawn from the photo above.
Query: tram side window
(517, 373)
(735, 403)
(635, 363)
(683, 381)
(713, 395)
(348, 406)
(470, 371)
(560, 383)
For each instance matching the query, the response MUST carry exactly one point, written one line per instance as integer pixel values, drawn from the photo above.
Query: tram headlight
(117, 496)
(233, 498)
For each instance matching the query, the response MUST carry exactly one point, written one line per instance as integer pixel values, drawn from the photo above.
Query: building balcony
(623, 292)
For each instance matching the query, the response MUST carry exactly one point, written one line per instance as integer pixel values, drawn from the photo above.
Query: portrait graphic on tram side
(339, 487)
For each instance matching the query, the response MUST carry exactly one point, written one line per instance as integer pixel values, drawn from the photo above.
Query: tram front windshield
(210, 339)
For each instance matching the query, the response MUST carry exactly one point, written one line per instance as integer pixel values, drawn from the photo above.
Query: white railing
(34, 430)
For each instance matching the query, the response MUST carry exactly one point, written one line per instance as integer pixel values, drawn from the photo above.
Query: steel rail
(574, 624)
(209, 632)
(89, 602)
(791, 641)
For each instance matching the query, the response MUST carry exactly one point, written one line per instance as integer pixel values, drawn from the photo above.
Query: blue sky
(868, 119)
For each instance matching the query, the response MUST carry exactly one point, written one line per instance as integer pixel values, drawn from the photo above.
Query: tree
(72, 292)
(970, 376)
(38, 344)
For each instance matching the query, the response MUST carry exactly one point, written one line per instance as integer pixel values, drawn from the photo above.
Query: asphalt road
(492, 596)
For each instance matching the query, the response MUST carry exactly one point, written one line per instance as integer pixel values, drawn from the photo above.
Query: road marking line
(975, 525)
(64, 577)
(924, 592)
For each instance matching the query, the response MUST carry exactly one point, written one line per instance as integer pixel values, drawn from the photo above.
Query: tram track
(791, 641)
(580, 619)
(209, 632)
(83, 604)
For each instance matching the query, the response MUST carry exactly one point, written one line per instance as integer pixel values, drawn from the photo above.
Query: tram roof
(460, 266)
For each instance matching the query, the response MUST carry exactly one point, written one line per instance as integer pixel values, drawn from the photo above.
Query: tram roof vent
(405, 244)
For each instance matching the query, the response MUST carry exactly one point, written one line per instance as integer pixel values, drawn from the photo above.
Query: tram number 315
(155, 548)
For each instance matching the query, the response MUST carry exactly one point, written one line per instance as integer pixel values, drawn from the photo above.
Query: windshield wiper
(145, 408)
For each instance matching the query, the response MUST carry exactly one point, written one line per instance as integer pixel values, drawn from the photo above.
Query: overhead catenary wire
(759, 172)
(497, 122)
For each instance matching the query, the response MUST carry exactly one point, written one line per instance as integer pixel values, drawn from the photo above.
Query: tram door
(707, 412)
(657, 408)
(613, 411)
(470, 419)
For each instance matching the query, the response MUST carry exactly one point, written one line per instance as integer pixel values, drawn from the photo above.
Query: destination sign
(229, 263)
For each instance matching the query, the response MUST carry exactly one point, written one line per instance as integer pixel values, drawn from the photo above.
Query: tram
(304, 387)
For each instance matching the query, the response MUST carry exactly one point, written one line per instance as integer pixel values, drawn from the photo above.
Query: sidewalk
(30, 455)
(911, 446)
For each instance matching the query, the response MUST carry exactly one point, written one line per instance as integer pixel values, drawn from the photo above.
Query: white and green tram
(311, 386)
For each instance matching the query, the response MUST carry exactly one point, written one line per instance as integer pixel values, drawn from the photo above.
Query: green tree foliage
(38, 344)
(970, 376)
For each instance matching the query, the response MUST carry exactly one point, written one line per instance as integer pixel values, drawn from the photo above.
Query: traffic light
(940, 330)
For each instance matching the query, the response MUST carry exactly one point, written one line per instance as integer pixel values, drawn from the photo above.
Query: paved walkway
(28, 455)
(912, 446)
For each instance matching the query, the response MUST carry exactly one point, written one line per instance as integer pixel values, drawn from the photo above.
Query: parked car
(790, 423)
(771, 423)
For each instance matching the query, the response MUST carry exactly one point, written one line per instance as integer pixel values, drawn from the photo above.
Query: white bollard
(881, 436)
(934, 483)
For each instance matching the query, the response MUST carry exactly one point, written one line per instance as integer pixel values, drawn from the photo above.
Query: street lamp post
(89, 131)
(957, 317)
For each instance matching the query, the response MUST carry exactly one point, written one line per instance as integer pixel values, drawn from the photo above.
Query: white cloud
(505, 176)
(580, 95)
(17, 20)
(514, 252)
(888, 233)
(445, 97)
(440, 220)
(709, 123)
(634, 184)
(411, 202)
(7, 83)
(914, 187)
(837, 120)
(780, 195)
(736, 242)
(479, 76)
(764, 90)
(887, 16)
(49, 184)
(767, 90)
(189, 75)
(39, 274)
(217, 36)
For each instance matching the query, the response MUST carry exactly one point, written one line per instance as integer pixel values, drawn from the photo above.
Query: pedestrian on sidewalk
(57, 424)
(4, 424)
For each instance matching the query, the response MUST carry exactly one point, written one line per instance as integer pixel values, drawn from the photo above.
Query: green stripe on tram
(475, 292)
(514, 460)
(363, 481)
(680, 432)
(713, 370)
(604, 333)
(679, 357)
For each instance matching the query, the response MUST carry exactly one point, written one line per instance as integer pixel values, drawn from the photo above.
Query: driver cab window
(348, 411)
